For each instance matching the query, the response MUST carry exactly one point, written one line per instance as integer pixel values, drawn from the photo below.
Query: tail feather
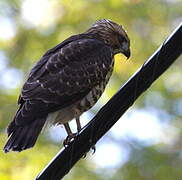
(23, 137)
(12, 139)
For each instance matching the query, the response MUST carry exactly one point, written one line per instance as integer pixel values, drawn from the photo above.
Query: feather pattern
(67, 81)
(61, 78)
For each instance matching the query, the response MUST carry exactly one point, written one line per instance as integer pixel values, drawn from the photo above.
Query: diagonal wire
(109, 114)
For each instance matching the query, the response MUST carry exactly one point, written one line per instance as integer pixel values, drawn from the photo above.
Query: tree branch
(109, 114)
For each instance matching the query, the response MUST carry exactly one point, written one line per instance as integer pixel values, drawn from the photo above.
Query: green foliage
(148, 23)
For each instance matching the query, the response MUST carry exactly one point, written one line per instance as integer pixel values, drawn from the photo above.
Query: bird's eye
(121, 39)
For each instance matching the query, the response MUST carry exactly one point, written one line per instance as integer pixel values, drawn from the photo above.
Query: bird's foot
(69, 138)
(93, 148)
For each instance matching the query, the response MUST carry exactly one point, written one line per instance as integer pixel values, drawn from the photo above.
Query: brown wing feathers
(63, 76)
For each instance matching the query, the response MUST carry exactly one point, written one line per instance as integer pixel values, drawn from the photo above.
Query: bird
(66, 82)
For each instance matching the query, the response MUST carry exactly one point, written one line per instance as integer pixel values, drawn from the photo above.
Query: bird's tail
(23, 137)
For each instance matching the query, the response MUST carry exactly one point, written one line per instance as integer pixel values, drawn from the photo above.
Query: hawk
(67, 81)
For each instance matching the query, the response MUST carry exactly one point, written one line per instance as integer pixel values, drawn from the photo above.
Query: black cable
(109, 114)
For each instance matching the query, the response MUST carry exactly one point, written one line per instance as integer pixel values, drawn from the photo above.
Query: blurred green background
(146, 143)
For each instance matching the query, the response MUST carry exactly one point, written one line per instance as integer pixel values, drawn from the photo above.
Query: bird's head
(113, 35)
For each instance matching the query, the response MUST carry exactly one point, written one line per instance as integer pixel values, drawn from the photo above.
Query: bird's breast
(75, 110)
(92, 97)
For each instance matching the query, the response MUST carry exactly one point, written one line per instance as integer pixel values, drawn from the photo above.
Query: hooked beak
(127, 53)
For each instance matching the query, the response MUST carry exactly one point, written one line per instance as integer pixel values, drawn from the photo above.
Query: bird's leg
(67, 128)
(78, 124)
(70, 135)
(78, 130)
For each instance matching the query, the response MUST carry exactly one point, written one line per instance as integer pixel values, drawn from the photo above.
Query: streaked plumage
(67, 81)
